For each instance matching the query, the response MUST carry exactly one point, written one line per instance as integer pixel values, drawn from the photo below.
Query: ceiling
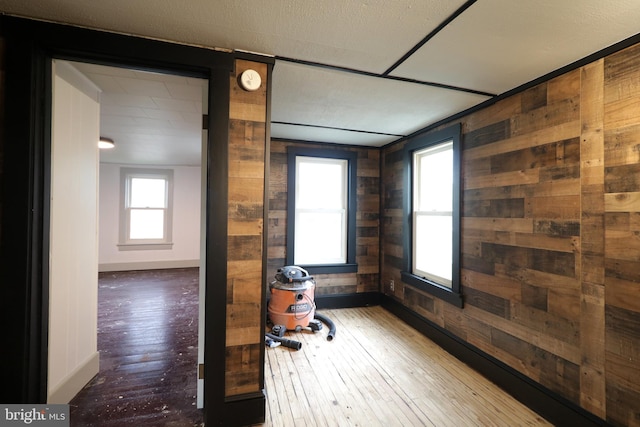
(360, 72)
(154, 119)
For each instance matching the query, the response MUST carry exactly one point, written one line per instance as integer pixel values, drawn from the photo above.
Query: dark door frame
(28, 48)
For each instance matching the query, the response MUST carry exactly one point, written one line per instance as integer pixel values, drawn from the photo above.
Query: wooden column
(244, 365)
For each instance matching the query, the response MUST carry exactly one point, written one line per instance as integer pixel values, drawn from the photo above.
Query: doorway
(155, 121)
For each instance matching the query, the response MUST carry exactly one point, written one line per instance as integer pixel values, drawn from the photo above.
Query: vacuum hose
(296, 345)
(332, 327)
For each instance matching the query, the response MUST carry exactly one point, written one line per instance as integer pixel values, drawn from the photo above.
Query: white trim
(144, 246)
(148, 265)
(75, 381)
(126, 174)
(301, 233)
(417, 182)
(68, 72)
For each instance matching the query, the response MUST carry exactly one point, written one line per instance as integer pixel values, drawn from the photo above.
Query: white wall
(73, 283)
(186, 223)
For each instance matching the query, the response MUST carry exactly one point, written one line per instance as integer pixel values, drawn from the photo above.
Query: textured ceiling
(363, 72)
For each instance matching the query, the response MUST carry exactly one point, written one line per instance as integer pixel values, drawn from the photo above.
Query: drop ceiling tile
(497, 45)
(369, 35)
(315, 96)
(336, 136)
(366, 35)
(493, 46)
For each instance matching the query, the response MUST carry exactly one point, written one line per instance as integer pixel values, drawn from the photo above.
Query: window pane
(319, 238)
(146, 224)
(435, 180)
(321, 183)
(148, 193)
(431, 233)
(433, 247)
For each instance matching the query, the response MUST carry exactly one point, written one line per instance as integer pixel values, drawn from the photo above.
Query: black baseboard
(244, 410)
(363, 299)
(553, 407)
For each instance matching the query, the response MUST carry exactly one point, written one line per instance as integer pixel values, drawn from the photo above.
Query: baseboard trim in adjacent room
(148, 265)
(75, 381)
(363, 299)
(553, 407)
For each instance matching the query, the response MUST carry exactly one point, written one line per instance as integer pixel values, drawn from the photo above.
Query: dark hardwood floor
(147, 338)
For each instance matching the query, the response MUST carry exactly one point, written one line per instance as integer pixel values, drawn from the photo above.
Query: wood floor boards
(378, 371)
(147, 338)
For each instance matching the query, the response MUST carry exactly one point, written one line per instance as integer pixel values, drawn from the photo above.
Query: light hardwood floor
(378, 371)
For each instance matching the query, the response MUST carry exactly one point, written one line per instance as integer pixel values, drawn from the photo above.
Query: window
(432, 208)
(146, 209)
(321, 210)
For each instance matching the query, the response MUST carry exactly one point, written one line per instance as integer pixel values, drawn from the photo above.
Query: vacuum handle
(285, 274)
(300, 279)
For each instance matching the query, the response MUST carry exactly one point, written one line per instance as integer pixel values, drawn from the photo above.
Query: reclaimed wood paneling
(247, 155)
(243, 367)
(550, 224)
(621, 264)
(367, 278)
(592, 302)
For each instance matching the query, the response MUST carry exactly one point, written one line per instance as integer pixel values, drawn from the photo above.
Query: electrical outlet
(392, 285)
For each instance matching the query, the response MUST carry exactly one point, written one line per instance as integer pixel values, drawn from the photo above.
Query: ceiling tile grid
(317, 96)
(330, 82)
(497, 45)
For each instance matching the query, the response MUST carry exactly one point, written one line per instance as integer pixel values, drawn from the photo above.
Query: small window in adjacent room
(432, 209)
(146, 208)
(321, 210)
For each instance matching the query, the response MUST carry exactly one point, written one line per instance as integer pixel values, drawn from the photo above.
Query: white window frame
(302, 235)
(126, 176)
(346, 263)
(446, 288)
(418, 182)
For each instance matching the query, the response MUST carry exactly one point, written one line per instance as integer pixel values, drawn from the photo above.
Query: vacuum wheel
(315, 325)
(278, 330)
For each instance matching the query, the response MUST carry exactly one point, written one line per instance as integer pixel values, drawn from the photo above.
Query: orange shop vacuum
(292, 305)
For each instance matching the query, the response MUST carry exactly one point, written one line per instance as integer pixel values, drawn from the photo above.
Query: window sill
(331, 268)
(433, 288)
(144, 246)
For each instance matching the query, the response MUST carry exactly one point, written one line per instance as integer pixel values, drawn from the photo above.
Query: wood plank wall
(247, 154)
(367, 278)
(550, 236)
(622, 235)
